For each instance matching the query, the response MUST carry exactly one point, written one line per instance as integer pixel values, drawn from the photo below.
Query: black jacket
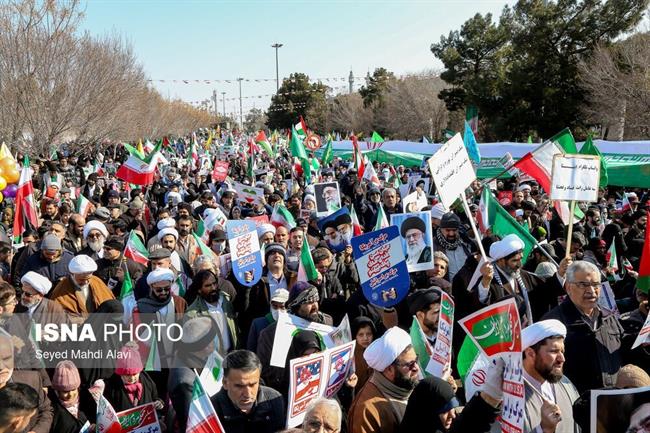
(593, 357)
(119, 399)
(268, 415)
(64, 422)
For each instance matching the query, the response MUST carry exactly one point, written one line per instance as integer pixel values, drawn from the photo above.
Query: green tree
(522, 73)
(254, 120)
(376, 87)
(296, 97)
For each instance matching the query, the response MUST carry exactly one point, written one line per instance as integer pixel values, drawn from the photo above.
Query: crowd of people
(72, 268)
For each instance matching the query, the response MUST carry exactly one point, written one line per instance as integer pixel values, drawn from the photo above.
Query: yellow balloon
(3, 183)
(7, 164)
(11, 176)
(2, 197)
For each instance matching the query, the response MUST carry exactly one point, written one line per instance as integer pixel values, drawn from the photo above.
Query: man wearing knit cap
(51, 261)
(81, 293)
(95, 234)
(275, 276)
(503, 277)
(381, 404)
(34, 303)
(302, 302)
(549, 394)
(447, 240)
(134, 217)
(72, 405)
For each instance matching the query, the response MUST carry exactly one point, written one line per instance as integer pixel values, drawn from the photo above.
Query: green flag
(565, 140)
(495, 328)
(376, 138)
(494, 216)
(328, 154)
(296, 145)
(589, 148)
(421, 346)
(306, 268)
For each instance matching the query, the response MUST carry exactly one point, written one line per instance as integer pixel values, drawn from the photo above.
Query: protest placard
(381, 265)
(244, 250)
(619, 410)
(441, 356)
(248, 194)
(452, 170)
(328, 198)
(575, 177)
(414, 201)
(319, 375)
(220, 171)
(140, 419)
(416, 239)
(337, 229)
(644, 334)
(287, 324)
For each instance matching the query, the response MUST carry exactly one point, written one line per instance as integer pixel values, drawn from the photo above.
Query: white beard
(97, 245)
(414, 252)
(338, 240)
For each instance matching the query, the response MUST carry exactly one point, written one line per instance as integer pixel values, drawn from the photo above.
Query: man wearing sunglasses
(593, 340)
(380, 405)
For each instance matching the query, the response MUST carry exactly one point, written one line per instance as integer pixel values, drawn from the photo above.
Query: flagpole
(567, 254)
(473, 224)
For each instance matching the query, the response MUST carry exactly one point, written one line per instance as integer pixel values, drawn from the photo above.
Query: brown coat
(371, 412)
(70, 299)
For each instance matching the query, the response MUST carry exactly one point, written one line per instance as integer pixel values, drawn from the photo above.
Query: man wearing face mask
(278, 304)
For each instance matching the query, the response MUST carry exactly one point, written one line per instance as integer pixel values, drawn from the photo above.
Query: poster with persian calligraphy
(382, 267)
(140, 419)
(244, 250)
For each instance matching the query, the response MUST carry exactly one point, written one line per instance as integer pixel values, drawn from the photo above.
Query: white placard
(287, 324)
(452, 170)
(575, 177)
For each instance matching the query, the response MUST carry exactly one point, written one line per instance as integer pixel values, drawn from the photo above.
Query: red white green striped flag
(135, 250)
(643, 280)
(356, 226)
(421, 346)
(496, 328)
(263, 142)
(127, 297)
(139, 171)
(202, 418)
(83, 206)
(25, 212)
(611, 257)
(301, 128)
(306, 268)
(212, 374)
(282, 217)
(382, 221)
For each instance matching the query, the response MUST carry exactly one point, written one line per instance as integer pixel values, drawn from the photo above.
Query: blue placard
(244, 250)
(382, 268)
(337, 229)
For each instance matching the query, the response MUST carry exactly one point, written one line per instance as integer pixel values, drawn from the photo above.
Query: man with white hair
(381, 404)
(81, 293)
(549, 394)
(94, 234)
(593, 340)
(323, 413)
(504, 276)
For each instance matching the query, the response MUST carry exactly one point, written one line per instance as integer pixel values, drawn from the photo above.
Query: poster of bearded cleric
(328, 198)
(417, 239)
(337, 229)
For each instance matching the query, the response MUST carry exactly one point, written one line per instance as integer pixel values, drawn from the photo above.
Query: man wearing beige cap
(380, 405)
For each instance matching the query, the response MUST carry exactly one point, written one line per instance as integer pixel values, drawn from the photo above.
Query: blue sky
(209, 39)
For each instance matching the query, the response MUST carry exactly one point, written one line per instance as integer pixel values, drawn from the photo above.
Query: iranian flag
(376, 141)
(83, 206)
(282, 217)
(202, 248)
(472, 366)
(493, 216)
(127, 297)
(370, 174)
(212, 375)
(643, 280)
(611, 257)
(139, 171)
(179, 287)
(107, 421)
(382, 220)
(202, 418)
(328, 155)
(25, 212)
(356, 227)
(306, 268)
(357, 156)
(251, 166)
(135, 250)
(153, 358)
(148, 146)
(263, 142)
(495, 329)
(300, 128)
(421, 346)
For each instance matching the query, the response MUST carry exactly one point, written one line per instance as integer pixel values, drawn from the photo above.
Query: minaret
(351, 80)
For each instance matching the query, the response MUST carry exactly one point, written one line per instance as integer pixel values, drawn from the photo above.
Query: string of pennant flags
(264, 80)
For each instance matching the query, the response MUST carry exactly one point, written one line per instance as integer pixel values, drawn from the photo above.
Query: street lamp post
(223, 101)
(277, 75)
(241, 112)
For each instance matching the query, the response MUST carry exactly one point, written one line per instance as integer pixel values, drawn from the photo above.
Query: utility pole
(277, 75)
(241, 112)
(223, 100)
(214, 100)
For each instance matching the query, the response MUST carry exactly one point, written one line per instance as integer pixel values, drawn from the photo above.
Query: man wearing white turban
(33, 301)
(380, 405)
(94, 234)
(504, 276)
(549, 394)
